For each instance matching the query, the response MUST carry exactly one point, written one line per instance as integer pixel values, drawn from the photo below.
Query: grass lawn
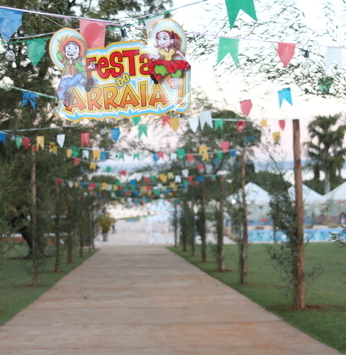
(324, 319)
(15, 290)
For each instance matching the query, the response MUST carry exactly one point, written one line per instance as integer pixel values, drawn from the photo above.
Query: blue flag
(3, 137)
(285, 94)
(115, 133)
(29, 97)
(10, 21)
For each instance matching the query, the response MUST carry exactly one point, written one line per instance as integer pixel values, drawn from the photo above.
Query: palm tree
(325, 149)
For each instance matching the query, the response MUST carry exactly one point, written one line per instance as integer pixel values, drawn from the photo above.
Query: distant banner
(125, 79)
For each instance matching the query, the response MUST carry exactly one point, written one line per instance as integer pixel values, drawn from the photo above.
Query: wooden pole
(57, 228)
(34, 273)
(221, 251)
(245, 242)
(203, 225)
(69, 228)
(299, 289)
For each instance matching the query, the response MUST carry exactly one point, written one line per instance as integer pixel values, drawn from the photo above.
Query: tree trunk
(69, 227)
(220, 246)
(299, 289)
(203, 227)
(244, 243)
(57, 230)
(34, 272)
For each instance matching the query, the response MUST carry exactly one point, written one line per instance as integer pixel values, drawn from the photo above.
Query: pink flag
(165, 120)
(282, 124)
(241, 125)
(190, 157)
(76, 161)
(160, 155)
(224, 146)
(246, 107)
(189, 178)
(286, 52)
(93, 33)
(85, 139)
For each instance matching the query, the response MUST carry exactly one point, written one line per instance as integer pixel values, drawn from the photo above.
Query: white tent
(254, 195)
(339, 193)
(309, 195)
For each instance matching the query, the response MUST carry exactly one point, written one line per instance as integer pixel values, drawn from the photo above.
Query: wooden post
(244, 244)
(299, 289)
(34, 273)
(220, 246)
(57, 228)
(203, 226)
(69, 227)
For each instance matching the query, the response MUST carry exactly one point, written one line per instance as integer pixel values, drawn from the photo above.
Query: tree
(325, 148)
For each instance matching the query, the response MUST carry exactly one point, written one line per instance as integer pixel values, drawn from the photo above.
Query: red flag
(165, 119)
(93, 33)
(34, 148)
(246, 107)
(282, 124)
(286, 52)
(26, 142)
(76, 161)
(224, 146)
(146, 179)
(92, 185)
(160, 155)
(200, 167)
(241, 125)
(189, 178)
(123, 172)
(59, 181)
(190, 157)
(85, 139)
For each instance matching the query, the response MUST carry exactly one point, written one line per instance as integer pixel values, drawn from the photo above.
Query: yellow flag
(264, 123)
(68, 152)
(115, 187)
(276, 136)
(53, 148)
(170, 176)
(175, 123)
(104, 186)
(76, 184)
(96, 155)
(173, 185)
(205, 156)
(163, 178)
(92, 166)
(40, 142)
(202, 148)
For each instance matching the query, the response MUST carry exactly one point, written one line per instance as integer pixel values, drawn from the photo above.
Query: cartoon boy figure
(165, 61)
(71, 53)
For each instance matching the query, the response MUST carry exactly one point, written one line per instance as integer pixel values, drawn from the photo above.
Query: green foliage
(105, 222)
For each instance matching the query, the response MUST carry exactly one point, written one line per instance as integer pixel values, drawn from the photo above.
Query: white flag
(193, 122)
(60, 138)
(333, 55)
(205, 117)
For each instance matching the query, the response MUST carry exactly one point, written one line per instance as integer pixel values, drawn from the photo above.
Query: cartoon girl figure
(71, 52)
(168, 44)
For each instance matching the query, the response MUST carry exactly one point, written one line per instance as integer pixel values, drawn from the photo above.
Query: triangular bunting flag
(10, 21)
(60, 138)
(85, 139)
(175, 123)
(115, 134)
(285, 94)
(193, 122)
(142, 129)
(228, 45)
(234, 6)
(218, 124)
(40, 142)
(246, 107)
(205, 117)
(36, 50)
(286, 52)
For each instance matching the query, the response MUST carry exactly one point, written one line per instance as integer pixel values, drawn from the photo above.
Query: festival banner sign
(124, 79)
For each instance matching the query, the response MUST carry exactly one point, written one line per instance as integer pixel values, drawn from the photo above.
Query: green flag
(75, 152)
(219, 154)
(136, 120)
(36, 50)
(181, 153)
(234, 6)
(218, 124)
(142, 129)
(228, 45)
(19, 141)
